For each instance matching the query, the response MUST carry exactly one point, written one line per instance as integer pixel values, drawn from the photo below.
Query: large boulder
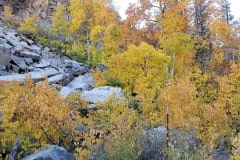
(56, 79)
(51, 153)
(78, 69)
(156, 142)
(5, 56)
(101, 94)
(20, 62)
(28, 54)
(36, 76)
(12, 38)
(81, 83)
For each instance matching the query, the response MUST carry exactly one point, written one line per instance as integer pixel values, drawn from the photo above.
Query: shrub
(36, 114)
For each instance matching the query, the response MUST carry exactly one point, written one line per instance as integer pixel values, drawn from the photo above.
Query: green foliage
(175, 153)
(124, 145)
(77, 52)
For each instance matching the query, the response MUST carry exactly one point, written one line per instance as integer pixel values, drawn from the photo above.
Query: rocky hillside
(21, 57)
(41, 9)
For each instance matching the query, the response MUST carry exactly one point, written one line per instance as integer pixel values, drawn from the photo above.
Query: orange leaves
(181, 97)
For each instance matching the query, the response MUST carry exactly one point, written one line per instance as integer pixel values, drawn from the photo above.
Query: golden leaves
(29, 25)
(33, 112)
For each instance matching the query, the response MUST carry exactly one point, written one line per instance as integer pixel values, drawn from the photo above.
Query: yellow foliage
(141, 72)
(100, 76)
(77, 14)
(36, 114)
(97, 33)
(144, 64)
(220, 27)
(29, 25)
(59, 20)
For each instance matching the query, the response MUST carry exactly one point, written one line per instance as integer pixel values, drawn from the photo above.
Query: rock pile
(21, 57)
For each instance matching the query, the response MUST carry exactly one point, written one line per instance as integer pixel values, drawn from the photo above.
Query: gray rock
(6, 45)
(92, 106)
(36, 76)
(20, 62)
(81, 128)
(56, 62)
(101, 67)
(156, 134)
(12, 39)
(15, 68)
(19, 48)
(43, 64)
(3, 73)
(77, 69)
(156, 140)
(35, 48)
(29, 41)
(28, 61)
(46, 50)
(64, 57)
(68, 63)
(52, 153)
(65, 91)
(32, 55)
(82, 83)
(2, 67)
(55, 79)
(5, 56)
(67, 78)
(2, 41)
(19, 77)
(102, 94)
(24, 44)
(48, 72)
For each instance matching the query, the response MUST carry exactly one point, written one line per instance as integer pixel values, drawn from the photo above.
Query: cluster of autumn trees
(175, 57)
(37, 115)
